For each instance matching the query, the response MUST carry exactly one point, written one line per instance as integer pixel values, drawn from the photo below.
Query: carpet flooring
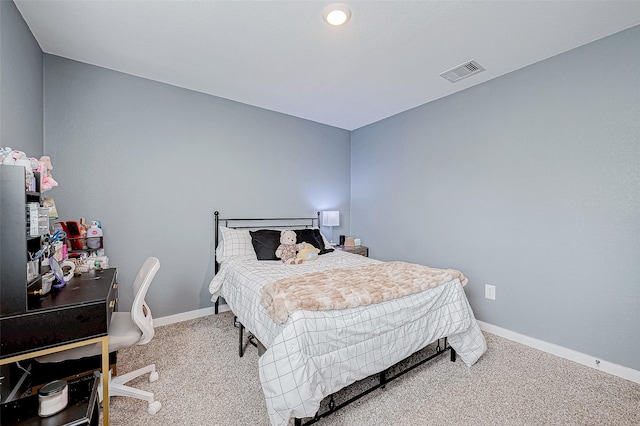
(204, 382)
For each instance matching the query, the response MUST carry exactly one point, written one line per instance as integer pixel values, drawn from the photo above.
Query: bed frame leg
(240, 349)
(216, 305)
(453, 355)
(332, 403)
(297, 422)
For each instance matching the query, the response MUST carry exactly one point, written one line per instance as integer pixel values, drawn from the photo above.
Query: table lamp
(331, 218)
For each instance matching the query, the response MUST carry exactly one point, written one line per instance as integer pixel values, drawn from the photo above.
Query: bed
(308, 354)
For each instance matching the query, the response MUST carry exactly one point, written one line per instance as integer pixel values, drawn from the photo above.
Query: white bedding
(316, 353)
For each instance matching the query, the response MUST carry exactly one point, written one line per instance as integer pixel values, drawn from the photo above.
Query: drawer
(44, 329)
(112, 301)
(81, 310)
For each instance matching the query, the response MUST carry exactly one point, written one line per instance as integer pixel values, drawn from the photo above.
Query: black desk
(75, 315)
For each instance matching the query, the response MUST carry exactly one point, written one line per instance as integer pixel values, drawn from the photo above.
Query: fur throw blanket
(351, 287)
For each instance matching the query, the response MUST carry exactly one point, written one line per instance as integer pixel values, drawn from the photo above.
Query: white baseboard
(580, 358)
(185, 316)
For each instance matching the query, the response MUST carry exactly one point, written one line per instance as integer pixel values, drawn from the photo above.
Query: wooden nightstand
(361, 250)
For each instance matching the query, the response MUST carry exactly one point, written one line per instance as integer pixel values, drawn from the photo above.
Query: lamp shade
(331, 218)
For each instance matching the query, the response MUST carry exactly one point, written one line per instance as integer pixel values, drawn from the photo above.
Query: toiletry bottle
(94, 236)
(83, 233)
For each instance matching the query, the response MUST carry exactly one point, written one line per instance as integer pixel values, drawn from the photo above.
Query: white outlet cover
(490, 292)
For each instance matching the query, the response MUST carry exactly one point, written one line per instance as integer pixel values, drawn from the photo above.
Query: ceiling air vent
(462, 71)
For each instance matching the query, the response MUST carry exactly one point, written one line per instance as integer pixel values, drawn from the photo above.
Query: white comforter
(316, 353)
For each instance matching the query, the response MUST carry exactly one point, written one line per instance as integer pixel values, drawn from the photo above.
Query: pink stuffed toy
(48, 181)
(288, 248)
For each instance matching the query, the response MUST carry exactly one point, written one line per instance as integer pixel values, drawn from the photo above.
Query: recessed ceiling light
(336, 14)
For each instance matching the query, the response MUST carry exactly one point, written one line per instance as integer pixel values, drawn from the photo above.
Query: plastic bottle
(83, 233)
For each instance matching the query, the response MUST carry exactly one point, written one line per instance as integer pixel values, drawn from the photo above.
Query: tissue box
(352, 242)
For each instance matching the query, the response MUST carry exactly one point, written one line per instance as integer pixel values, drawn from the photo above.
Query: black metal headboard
(258, 223)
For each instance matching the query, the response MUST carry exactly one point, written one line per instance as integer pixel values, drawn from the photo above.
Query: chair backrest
(140, 312)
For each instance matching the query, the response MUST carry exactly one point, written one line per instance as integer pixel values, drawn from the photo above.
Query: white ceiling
(280, 55)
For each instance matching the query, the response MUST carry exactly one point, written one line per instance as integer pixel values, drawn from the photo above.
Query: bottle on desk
(94, 236)
(83, 233)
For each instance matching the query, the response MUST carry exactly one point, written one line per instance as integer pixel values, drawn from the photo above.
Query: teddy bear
(309, 252)
(48, 181)
(288, 248)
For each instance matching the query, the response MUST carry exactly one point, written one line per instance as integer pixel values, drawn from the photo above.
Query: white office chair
(126, 329)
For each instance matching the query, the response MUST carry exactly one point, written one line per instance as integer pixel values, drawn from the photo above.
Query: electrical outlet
(490, 292)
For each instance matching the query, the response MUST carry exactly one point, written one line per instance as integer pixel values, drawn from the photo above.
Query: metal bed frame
(258, 223)
(383, 377)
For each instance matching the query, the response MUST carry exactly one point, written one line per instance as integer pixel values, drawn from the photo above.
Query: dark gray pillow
(313, 237)
(265, 242)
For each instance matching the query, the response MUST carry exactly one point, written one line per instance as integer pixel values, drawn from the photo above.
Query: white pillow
(234, 242)
(220, 252)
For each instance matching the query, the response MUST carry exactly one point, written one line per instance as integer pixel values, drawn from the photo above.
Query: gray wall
(154, 161)
(20, 84)
(529, 182)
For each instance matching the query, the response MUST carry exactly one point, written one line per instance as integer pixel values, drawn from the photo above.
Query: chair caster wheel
(154, 407)
(153, 376)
